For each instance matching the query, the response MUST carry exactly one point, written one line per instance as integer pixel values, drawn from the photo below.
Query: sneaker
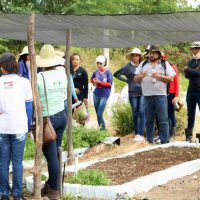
(189, 139)
(5, 198)
(157, 140)
(138, 138)
(20, 198)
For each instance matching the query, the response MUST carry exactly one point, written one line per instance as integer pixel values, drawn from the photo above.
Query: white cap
(101, 59)
(195, 44)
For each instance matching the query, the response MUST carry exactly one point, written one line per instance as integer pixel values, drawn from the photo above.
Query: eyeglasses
(98, 63)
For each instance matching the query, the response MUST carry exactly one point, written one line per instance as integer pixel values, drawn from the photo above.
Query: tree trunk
(69, 98)
(37, 110)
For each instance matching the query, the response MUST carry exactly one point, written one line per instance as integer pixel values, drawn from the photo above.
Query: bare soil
(122, 170)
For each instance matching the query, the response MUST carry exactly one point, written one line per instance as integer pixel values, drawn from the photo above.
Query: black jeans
(171, 110)
(59, 121)
(193, 98)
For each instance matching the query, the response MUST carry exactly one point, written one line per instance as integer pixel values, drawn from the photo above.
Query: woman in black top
(80, 78)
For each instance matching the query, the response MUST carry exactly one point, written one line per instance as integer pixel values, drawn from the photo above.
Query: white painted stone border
(136, 186)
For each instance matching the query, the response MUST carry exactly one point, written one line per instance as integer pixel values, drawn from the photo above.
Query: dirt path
(186, 188)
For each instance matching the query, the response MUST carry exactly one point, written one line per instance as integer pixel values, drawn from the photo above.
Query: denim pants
(137, 106)
(100, 104)
(59, 121)
(156, 106)
(193, 98)
(11, 149)
(171, 110)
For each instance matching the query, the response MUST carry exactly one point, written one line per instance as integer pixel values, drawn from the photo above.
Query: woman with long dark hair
(24, 70)
(135, 92)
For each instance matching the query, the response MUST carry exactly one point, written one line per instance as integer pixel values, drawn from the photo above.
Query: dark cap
(154, 48)
(6, 57)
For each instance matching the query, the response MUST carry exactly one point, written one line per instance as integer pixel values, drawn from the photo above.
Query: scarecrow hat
(48, 57)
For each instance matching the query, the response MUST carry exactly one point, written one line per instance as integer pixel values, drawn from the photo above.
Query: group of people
(153, 94)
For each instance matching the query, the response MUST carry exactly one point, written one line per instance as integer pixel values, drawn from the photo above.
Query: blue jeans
(59, 121)
(138, 114)
(171, 110)
(11, 149)
(193, 98)
(156, 106)
(100, 104)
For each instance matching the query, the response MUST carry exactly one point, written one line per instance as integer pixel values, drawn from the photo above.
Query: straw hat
(134, 51)
(24, 51)
(195, 44)
(48, 57)
(60, 53)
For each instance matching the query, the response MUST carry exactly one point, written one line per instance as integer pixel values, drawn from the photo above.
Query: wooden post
(69, 98)
(37, 110)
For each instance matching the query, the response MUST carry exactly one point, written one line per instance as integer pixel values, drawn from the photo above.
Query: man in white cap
(192, 72)
(135, 92)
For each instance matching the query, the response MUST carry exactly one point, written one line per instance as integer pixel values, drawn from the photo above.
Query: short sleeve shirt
(15, 91)
(150, 86)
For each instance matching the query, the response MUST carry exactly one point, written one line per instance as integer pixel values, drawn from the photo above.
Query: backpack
(163, 63)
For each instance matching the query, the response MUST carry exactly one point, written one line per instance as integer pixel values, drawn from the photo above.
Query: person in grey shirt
(135, 92)
(154, 75)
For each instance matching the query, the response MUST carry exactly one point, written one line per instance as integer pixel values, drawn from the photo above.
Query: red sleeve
(104, 84)
(176, 81)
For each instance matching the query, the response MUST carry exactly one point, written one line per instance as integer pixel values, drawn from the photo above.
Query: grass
(89, 177)
(183, 82)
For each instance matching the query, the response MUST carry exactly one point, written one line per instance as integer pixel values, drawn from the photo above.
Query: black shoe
(20, 198)
(189, 139)
(5, 198)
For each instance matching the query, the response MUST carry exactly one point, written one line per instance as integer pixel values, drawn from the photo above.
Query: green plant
(122, 118)
(85, 137)
(89, 177)
(43, 177)
(29, 151)
(181, 120)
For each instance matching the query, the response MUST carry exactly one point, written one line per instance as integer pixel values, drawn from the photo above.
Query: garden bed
(122, 170)
(154, 165)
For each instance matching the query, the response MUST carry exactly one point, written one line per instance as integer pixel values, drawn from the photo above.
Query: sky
(194, 3)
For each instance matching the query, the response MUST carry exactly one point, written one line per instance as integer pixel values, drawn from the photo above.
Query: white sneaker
(157, 140)
(138, 138)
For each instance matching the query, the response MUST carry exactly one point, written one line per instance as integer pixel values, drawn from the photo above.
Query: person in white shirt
(15, 122)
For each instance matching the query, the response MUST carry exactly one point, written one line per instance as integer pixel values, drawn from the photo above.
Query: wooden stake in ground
(69, 98)
(37, 110)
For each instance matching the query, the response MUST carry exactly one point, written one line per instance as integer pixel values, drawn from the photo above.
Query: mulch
(126, 169)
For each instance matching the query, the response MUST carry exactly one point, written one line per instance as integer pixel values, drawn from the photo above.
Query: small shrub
(122, 118)
(85, 137)
(29, 150)
(89, 177)
(181, 120)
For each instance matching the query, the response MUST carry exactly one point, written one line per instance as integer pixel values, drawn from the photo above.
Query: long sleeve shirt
(193, 74)
(174, 85)
(128, 71)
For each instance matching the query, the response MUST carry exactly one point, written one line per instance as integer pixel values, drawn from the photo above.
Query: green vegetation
(122, 118)
(29, 149)
(181, 120)
(89, 177)
(85, 137)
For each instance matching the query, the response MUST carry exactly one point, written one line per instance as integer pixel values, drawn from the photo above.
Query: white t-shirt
(15, 91)
(152, 87)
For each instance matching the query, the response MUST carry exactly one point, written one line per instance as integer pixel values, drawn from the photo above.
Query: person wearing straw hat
(154, 74)
(192, 72)
(135, 92)
(15, 117)
(53, 106)
(24, 58)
